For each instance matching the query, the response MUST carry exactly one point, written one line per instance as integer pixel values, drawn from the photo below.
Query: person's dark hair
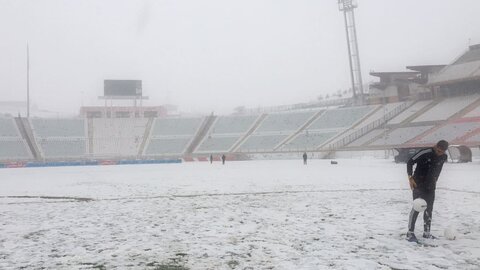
(442, 144)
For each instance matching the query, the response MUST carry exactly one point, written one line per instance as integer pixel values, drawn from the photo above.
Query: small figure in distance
(211, 158)
(223, 159)
(305, 158)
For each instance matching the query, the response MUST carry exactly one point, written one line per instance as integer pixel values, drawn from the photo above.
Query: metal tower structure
(347, 6)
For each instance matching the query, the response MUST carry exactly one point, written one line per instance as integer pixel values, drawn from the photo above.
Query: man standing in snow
(223, 159)
(305, 158)
(423, 181)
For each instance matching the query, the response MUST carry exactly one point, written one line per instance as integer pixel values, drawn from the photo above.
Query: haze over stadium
(170, 135)
(216, 55)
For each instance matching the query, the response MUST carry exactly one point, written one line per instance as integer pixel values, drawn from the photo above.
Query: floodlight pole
(348, 6)
(28, 82)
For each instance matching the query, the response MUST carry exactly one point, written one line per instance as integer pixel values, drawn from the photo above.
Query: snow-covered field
(244, 215)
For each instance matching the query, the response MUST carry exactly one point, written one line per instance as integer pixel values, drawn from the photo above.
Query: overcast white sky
(214, 55)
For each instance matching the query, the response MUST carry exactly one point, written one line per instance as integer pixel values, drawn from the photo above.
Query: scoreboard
(122, 88)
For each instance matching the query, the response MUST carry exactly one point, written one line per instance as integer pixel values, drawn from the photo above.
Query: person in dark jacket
(223, 159)
(305, 158)
(423, 181)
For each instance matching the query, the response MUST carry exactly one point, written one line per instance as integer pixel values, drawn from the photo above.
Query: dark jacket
(429, 166)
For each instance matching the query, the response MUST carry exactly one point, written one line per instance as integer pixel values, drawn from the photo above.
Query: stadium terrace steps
(201, 132)
(467, 136)
(60, 138)
(13, 145)
(368, 124)
(27, 134)
(418, 113)
(255, 125)
(224, 133)
(146, 137)
(300, 129)
(422, 139)
(472, 106)
(447, 108)
(90, 136)
(472, 110)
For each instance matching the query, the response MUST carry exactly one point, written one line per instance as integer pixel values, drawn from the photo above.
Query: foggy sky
(214, 55)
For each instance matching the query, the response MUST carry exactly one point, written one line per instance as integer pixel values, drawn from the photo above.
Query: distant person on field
(305, 158)
(423, 181)
(211, 158)
(223, 159)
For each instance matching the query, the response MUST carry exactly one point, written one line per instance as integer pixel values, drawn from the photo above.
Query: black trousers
(429, 197)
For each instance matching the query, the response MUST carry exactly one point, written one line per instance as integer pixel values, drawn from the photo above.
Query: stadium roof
(394, 74)
(427, 68)
(464, 68)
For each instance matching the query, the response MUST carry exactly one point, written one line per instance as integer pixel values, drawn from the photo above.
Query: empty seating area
(46, 128)
(8, 128)
(60, 137)
(412, 110)
(308, 141)
(474, 139)
(171, 136)
(446, 108)
(225, 132)
(401, 135)
(367, 137)
(473, 113)
(58, 148)
(167, 146)
(175, 126)
(284, 122)
(340, 118)
(261, 143)
(118, 136)
(12, 145)
(13, 149)
(217, 144)
(275, 128)
(449, 132)
(233, 124)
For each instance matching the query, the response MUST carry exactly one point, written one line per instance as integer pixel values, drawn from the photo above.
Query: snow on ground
(244, 215)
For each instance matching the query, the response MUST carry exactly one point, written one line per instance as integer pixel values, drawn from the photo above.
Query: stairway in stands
(249, 132)
(202, 131)
(146, 136)
(27, 134)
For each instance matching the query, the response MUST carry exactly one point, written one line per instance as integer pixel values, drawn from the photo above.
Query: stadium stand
(284, 122)
(401, 135)
(175, 126)
(8, 128)
(446, 108)
(12, 146)
(275, 129)
(225, 132)
(308, 140)
(60, 137)
(261, 143)
(473, 113)
(118, 136)
(412, 110)
(465, 67)
(340, 118)
(167, 146)
(171, 136)
(233, 124)
(448, 132)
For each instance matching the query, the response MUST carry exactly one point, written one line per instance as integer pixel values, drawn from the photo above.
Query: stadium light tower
(347, 6)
